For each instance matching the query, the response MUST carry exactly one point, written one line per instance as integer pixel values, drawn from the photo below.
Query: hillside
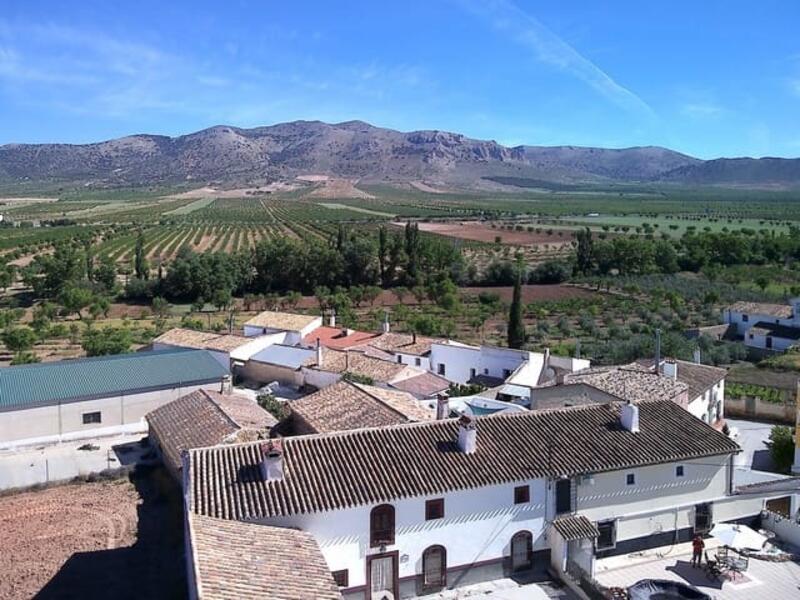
(358, 151)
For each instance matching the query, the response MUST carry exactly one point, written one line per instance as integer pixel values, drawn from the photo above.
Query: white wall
(246, 351)
(760, 341)
(413, 359)
(319, 379)
(478, 526)
(703, 407)
(52, 421)
(485, 360)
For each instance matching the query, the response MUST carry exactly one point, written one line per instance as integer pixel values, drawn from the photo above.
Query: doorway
(382, 576)
(563, 496)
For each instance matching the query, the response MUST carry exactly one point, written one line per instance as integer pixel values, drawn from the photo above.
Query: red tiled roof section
(369, 466)
(205, 418)
(403, 343)
(233, 560)
(337, 338)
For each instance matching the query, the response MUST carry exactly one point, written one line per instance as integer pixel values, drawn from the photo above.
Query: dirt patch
(210, 192)
(15, 202)
(337, 188)
(480, 232)
(424, 187)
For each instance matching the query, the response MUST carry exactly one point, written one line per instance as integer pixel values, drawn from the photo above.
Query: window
(399, 359)
(418, 361)
(434, 509)
(341, 578)
(434, 568)
(441, 368)
(630, 479)
(521, 551)
(745, 318)
(472, 373)
(92, 417)
(522, 494)
(381, 525)
(608, 535)
(679, 471)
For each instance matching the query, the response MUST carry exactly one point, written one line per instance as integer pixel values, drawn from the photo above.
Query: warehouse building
(72, 399)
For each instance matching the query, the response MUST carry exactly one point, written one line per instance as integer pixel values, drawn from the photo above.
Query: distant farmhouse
(72, 399)
(766, 326)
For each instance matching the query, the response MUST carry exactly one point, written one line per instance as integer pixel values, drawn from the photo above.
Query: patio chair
(712, 569)
(738, 564)
(722, 553)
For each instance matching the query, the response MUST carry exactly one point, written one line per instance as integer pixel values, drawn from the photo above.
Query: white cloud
(550, 49)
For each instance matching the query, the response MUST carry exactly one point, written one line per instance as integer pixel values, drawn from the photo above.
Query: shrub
(781, 447)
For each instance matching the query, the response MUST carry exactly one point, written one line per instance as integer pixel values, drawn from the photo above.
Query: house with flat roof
(412, 509)
(765, 326)
(349, 405)
(86, 397)
(205, 418)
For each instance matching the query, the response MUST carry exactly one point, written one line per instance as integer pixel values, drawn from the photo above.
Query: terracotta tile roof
(337, 337)
(233, 560)
(634, 382)
(782, 311)
(206, 418)
(348, 405)
(772, 329)
(281, 320)
(202, 340)
(336, 361)
(698, 378)
(403, 342)
(576, 527)
(369, 466)
(424, 385)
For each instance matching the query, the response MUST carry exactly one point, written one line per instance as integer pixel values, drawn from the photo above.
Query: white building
(295, 326)
(415, 508)
(766, 326)
(228, 349)
(72, 399)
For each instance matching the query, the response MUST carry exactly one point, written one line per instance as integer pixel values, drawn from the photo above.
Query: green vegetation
(781, 448)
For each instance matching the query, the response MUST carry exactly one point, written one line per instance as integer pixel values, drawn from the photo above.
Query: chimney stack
(332, 318)
(467, 434)
(657, 362)
(696, 356)
(629, 417)
(442, 406)
(385, 325)
(227, 385)
(272, 460)
(670, 368)
(319, 354)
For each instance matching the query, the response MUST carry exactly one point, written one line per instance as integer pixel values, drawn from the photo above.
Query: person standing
(698, 545)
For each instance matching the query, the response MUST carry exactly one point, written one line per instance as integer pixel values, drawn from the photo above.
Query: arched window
(381, 525)
(521, 551)
(434, 568)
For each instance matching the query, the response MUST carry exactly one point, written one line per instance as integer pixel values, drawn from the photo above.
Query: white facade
(293, 337)
(743, 322)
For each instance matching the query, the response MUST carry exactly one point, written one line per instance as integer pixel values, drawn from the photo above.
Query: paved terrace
(769, 580)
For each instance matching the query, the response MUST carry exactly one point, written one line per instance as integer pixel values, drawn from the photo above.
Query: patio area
(763, 579)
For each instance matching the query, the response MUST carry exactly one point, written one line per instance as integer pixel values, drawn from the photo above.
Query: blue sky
(709, 78)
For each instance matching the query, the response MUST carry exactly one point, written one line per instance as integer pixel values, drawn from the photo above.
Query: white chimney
(319, 354)
(467, 434)
(346, 360)
(227, 385)
(272, 460)
(332, 319)
(629, 417)
(442, 407)
(670, 368)
(385, 325)
(696, 356)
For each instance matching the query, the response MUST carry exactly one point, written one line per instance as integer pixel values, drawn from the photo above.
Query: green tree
(516, 327)
(106, 274)
(140, 267)
(75, 299)
(18, 339)
(781, 447)
(585, 251)
(109, 340)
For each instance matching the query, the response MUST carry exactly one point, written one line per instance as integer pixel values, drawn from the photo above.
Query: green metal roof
(28, 386)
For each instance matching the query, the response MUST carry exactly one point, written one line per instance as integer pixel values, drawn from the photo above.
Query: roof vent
(629, 417)
(442, 407)
(670, 369)
(272, 461)
(467, 434)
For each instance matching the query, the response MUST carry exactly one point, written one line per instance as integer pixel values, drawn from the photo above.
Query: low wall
(756, 408)
(786, 529)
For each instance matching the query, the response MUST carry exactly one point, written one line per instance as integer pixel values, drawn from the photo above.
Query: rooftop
(232, 560)
(632, 382)
(340, 470)
(348, 405)
(86, 378)
(202, 340)
(283, 321)
(337, 337)
(424, 385)
(775, 330)
(292, 357)
(782, 311)
(206, 418)
(576, 527)
(351, 361)
(403, 343)
(697, 377)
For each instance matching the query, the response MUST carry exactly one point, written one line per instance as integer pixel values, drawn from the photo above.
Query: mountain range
(358, 151)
